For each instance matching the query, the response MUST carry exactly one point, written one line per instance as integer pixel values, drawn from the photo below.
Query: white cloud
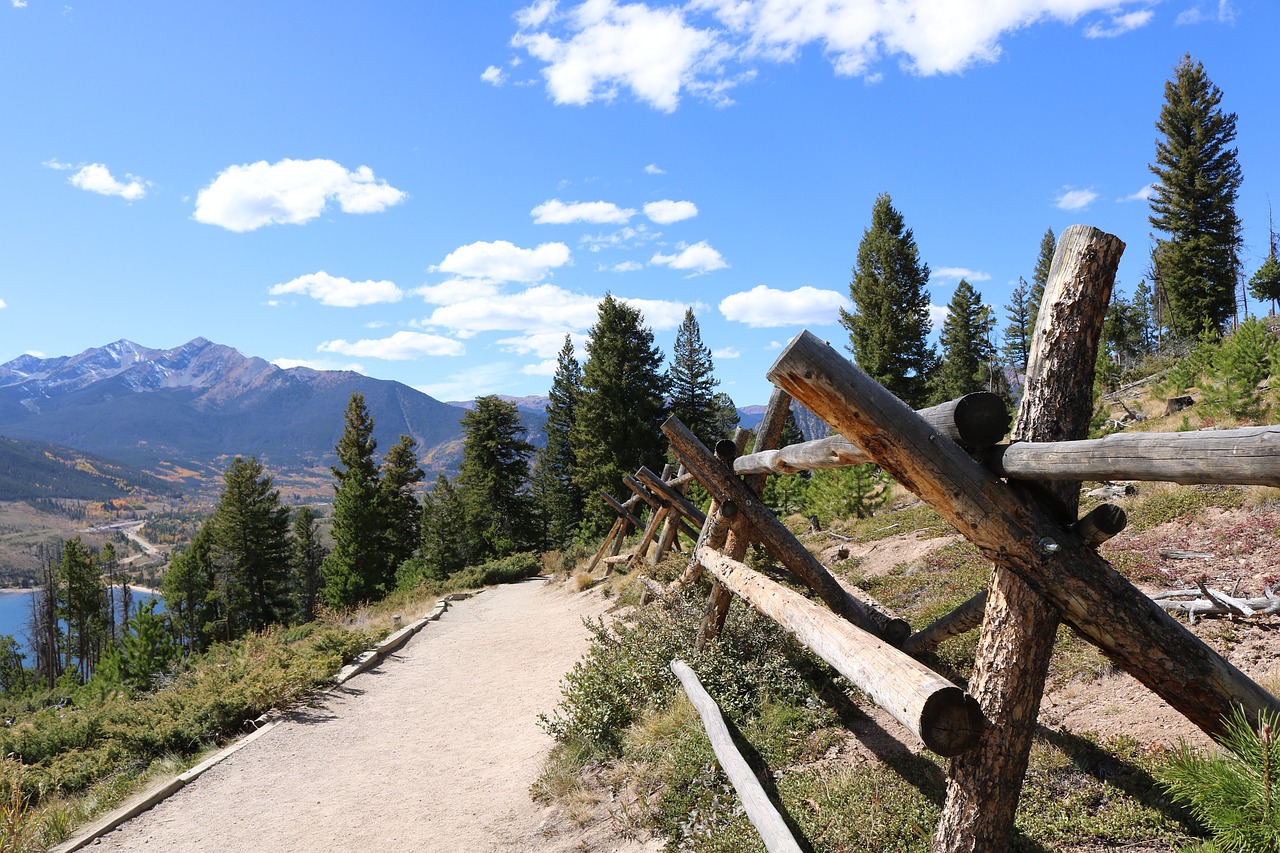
(3, 304)
(1120, 24)
(958, 273)
(544, 308)
(938, 315)
(493, 75)
(700, 258)
(97, 178)
(503, 261)
(1141, 195)
(1070, 199)
(291, 192)
(1226, 14)
(764, 307)
(660, 51)
(546, 367)
(19, 4)
(314, 364)
(626, 237)
(557, 212)
(606, 46)
(666, 211)
(402, 346)
(544, 345)
(726, 352)
(338, 291)
(652, 169)
(458, 290)
(627, 266)
(659, 314)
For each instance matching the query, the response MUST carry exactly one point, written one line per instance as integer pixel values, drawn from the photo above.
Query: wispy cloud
(1223, 12)
(1073, 199)
(1118, 25)
(338, 291)
(652, 169)
(557, 212)
(290, 192)
(1143, 194)
(666, 211)
(957, 273)
(402, 346)
(764, 307)
(97, 178)
(472, 383)
(726, 353)
(493, 75)
(659, 52)
(698, 259)
(504, 261)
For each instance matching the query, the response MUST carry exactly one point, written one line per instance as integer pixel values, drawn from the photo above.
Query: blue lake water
(15, 611)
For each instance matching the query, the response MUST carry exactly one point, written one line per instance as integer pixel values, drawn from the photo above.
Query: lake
(15, 612)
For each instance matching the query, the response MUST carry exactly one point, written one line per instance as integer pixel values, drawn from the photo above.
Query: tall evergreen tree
(691, 378)
(1142, 311)
(559, 500)
(964, 345)
(307, 558)
(1194, 204)
(890, 320)
(1017, 335)
(726, 418)
(445, 547)
(621, 409)
(494, 478)
(1040, 278)
(83, 606)
(251, 549)
(401, 511)
(354, 569)
(188, 588)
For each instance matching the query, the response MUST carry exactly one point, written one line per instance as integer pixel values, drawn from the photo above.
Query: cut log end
(981, 419)
(951, 722)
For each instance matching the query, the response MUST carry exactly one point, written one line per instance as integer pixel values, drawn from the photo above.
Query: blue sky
(438, 192)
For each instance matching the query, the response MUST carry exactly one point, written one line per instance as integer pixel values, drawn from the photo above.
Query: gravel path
(433, 750)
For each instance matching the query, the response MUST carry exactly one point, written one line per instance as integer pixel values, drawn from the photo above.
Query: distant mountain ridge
(37, 469)
(202, 403)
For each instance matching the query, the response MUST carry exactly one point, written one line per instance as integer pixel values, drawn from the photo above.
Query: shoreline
(132, 588)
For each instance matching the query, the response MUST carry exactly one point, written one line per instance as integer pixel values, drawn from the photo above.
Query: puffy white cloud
(1070, 199)
(726, 352)
(938, 315)
(19, 4)
(543, 308)
(3, 304)
(1143, 194)
(290, 192)
(764, 307)
(402, 346)
(493, 75)
(315, 364)
(1120, 24)
(659, 314)
(97, 178)
(546, 367)
(607, 46)
(627, 266)
(666, 211)
(557, 212)
(958, 273)
(504, 261)
(458, 290)
(700, 258)
(652, 169)
(338, 291)
(660, 50)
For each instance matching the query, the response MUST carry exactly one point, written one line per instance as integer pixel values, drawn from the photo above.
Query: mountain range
(183, 413)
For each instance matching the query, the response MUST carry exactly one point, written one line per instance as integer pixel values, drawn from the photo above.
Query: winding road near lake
(433, 750)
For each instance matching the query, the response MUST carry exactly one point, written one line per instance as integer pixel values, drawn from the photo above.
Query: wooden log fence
(762, 813)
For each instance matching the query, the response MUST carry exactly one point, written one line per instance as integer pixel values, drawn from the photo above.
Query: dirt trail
(433, 750)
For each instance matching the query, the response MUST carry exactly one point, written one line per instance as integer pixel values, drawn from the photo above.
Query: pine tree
(726, 419)
(494, 479)
(1243, 362)
(1143, 318)
(620, 411)
(354, 569)
(890, 321)
(84, 607)
(251, 549)
(1017, 335)
(964, 345)
(558, 498)
(1198, 179)
(444, 549)
(1040, 278)
(1265, 284)
(188, 587)
(692, 381)
(401, 511)
(853, 492)
(307, 558)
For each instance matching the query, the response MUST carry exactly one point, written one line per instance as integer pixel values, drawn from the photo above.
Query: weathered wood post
(1019, 628)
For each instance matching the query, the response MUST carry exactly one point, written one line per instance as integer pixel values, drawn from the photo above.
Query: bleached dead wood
(1215, 602)
(762, 813)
